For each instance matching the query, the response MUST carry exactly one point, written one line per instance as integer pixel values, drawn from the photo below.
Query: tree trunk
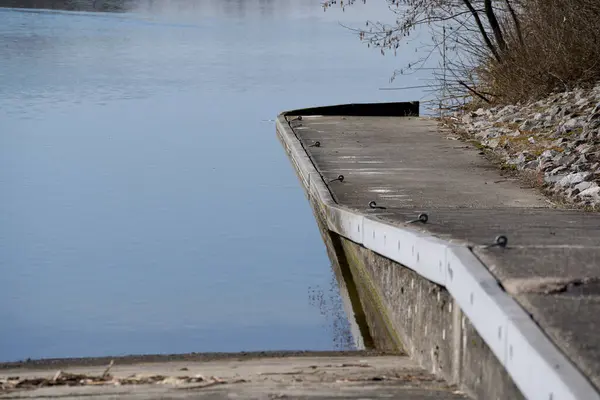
(494, 24)
(484, 34)
(515, 19)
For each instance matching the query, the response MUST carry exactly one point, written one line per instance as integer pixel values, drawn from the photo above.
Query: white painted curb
(536, 365)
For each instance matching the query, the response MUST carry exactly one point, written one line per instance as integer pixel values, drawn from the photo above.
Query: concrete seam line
(536, 365)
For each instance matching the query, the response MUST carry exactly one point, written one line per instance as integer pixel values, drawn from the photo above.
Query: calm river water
(145, 203)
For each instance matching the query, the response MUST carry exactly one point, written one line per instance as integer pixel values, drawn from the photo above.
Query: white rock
(593, 192)
(522, 158)
(508, 110)
(515, 133)
(505, 118)
(535, 164)
(553, 178)
(547, 124)
(552, 111)
(583, 186)
(564, 159)
(572, 124)
(583, 148)
(559, 142)
(556, 170)
(549, 153)
(573, 179)
(492, 143)
(482, 124)
(528, 125)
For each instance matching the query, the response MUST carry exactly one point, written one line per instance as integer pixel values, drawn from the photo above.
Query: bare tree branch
(516, 21)
(484, 34)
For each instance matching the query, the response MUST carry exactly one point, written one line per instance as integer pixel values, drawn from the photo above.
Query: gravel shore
(555, 142)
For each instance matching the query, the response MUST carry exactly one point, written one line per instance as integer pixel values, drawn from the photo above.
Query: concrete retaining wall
(430, 324)
(395, 309)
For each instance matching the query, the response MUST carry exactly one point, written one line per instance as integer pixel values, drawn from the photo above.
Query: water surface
(146, 205)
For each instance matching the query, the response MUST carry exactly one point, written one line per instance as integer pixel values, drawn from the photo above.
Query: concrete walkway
(329, 376)
(407, 165)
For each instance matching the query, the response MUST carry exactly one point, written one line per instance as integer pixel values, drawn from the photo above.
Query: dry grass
(560, 51)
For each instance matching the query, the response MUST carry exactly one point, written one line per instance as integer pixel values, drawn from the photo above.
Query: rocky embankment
(554, 141)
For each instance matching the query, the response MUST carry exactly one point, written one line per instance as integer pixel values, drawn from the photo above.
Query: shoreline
(76, 362)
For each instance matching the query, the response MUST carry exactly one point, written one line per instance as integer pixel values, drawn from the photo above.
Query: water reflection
(232, 7)
(327, 300)
(72, 5)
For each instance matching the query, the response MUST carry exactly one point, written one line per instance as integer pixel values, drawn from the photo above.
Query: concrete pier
(519, 320)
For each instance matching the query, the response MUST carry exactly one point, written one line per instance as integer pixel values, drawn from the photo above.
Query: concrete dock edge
(537, 367)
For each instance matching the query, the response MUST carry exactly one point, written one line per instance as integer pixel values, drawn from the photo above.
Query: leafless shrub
(560, 50)
(495, 51)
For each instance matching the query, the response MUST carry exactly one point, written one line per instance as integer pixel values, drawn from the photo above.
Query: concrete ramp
(353, 375)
